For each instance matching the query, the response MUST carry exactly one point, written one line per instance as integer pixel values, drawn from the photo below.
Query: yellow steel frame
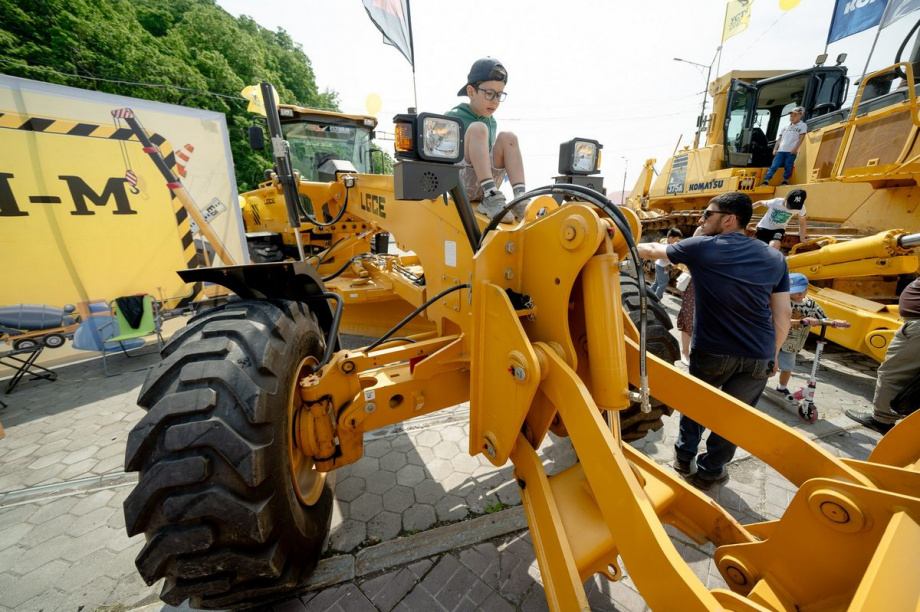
(872, 325)
(855, 120)
(848, 539)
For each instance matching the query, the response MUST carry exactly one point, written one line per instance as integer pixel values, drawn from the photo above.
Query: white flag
(897, 9)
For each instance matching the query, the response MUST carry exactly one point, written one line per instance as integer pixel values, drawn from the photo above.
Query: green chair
(150, 323)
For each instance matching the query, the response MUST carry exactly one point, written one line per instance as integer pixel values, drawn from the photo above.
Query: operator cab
(316, 137)
(759, 110)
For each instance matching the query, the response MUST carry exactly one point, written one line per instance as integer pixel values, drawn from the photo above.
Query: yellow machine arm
(873, 325)
(848, 540)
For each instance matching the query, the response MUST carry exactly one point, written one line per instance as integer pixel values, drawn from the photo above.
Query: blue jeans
(662, 278)
(743, 378)
(785, 159)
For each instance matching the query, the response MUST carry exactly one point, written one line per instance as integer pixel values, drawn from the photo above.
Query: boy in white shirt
(787, 146)
(772, 226)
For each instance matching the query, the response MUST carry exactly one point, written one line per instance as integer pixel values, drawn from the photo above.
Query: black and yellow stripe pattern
(68, 127)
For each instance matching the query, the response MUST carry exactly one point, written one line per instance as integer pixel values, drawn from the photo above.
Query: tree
(187, 52)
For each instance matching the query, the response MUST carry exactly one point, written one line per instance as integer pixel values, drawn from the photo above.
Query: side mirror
(256, 138)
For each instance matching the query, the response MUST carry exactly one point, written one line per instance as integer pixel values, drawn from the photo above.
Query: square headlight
(580, 156)
(439, 138)
(429, 137)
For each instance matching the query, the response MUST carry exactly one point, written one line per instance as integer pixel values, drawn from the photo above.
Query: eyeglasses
(708, 213)
(492, 95)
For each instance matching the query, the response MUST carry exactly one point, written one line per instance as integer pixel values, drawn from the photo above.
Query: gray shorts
(471, 183)
(786, 361)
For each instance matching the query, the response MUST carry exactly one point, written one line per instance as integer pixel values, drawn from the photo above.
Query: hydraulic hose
(341, 270)
(341, 214)
(321, 257)
(897, 58)
(333, 329)
(414, 314)
(622, 224)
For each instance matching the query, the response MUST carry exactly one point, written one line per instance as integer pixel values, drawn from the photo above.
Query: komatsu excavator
(859, 165)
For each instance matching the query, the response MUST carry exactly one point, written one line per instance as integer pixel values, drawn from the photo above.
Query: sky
(601, 69)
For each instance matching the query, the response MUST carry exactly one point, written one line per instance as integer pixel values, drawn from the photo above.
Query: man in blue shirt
(742, 317)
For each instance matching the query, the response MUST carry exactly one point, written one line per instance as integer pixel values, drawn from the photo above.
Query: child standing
(787, 146)
(805, 313)
(663, 266)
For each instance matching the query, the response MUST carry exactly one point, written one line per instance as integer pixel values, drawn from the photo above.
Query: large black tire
(635, 424)
(224, 524)
(264, 253)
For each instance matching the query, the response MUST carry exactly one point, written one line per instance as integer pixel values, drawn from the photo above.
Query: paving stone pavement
(63, 544)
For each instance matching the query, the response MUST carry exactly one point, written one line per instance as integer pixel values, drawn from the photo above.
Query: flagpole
(412, 50)
(866, 68)
(878, 31)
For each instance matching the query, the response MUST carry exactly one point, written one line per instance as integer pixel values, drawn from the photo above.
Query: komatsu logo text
(706, 186)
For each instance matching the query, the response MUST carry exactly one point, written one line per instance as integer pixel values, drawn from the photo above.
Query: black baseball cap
(485, 69)
(796, 198)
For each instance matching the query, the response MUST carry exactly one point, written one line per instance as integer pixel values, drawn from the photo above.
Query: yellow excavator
(859, 166)
(539, 326)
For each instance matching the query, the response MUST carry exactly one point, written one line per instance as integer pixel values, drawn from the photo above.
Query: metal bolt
(509, 273)
(569, 233)
(489, 448)
(510, 247)
(518, 372)
(370, 407)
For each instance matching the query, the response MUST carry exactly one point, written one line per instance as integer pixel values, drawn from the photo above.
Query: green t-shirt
(464, 113)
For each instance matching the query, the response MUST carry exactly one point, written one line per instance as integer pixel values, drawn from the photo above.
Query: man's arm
(781, 308)
(653, 250)
(803, 228)
(795, 149)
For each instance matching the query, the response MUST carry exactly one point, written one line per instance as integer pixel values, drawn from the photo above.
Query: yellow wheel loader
(253, 409)
(859, 166)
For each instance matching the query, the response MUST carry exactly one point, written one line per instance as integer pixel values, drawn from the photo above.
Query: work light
(428, 137)
(580, 156)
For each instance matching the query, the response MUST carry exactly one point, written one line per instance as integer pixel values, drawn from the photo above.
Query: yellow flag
(253, 93)
(737, 15)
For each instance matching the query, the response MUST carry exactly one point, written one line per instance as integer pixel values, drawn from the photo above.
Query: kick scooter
(805, 397)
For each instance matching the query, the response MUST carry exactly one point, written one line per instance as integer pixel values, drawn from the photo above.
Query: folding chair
(149, 323)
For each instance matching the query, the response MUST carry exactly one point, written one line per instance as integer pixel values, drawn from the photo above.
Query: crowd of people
(743, 317)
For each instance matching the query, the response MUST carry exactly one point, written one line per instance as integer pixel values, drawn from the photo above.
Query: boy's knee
(477, 130)
(509, 138)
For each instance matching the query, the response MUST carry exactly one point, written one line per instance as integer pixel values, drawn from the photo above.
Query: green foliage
(189, 49)
(493, 508)
(382, 161)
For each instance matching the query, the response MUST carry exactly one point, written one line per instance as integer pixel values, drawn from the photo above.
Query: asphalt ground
(418, 524)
